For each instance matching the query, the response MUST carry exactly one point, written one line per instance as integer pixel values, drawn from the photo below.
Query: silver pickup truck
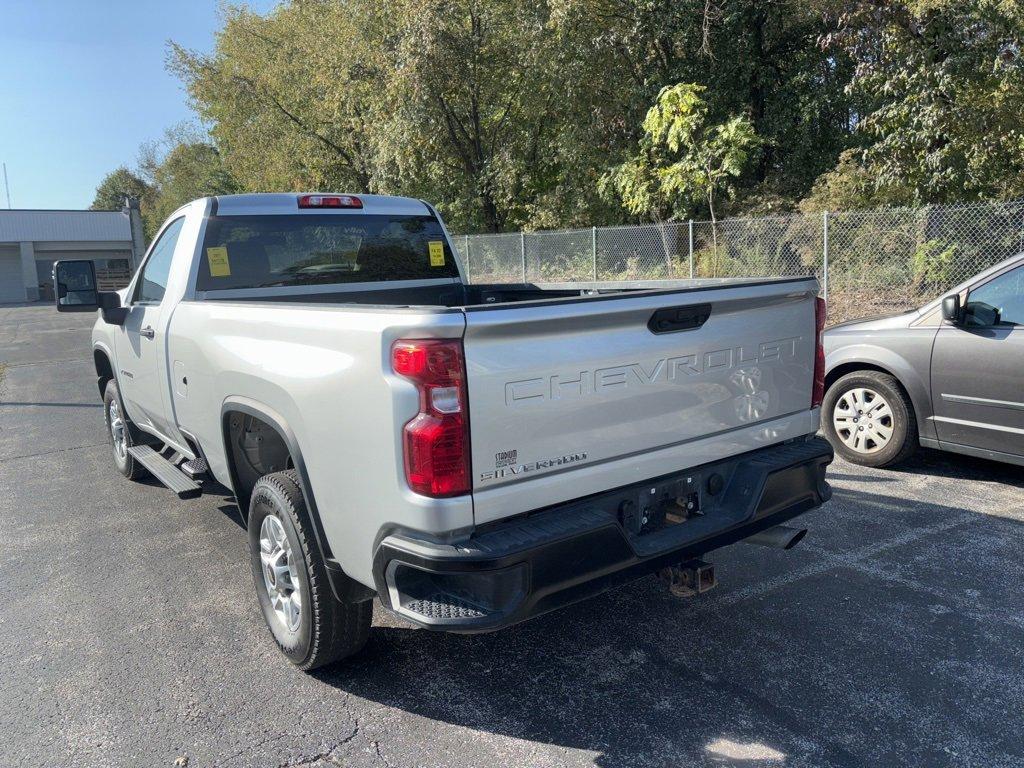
(472, 455)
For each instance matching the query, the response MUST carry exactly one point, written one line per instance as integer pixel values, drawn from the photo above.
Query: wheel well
(841, 370)
(104, 370)
(254, 448)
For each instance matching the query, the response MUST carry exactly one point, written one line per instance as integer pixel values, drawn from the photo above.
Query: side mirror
(980, 314)
(951, 309)
(74, 286)
(111, 309)
(74, 289)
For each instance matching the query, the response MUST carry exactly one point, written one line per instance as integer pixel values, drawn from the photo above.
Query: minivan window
(263, 251)
(1003, 295)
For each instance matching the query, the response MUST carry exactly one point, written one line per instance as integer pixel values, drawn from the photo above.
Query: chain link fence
(868, 262)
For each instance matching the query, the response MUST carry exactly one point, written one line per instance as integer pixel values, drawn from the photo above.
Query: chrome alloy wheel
(863, 420)
(117, 430)
(279, 574)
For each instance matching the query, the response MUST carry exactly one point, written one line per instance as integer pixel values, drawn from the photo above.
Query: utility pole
(824, 259)
(522, 253)
(7, 187)
(131, 209)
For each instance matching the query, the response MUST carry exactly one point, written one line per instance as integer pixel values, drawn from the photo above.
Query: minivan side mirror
(74, 286)
(951, 309)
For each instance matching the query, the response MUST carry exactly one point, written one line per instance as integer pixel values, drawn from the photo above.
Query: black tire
(903, 441)
(328, 629)
(125, 462)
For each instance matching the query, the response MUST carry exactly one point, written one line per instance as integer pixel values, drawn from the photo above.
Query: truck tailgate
(562, 385)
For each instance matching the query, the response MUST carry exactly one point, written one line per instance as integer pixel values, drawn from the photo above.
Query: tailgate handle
(674, 319)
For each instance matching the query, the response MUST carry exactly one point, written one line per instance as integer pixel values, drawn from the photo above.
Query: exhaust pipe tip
(778, 537)
(796, 538)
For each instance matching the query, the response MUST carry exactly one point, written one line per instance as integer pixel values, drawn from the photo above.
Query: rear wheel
(309, 624)
(869, 419)
(119, 432)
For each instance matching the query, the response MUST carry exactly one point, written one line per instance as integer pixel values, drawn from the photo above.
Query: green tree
(940, 89)
(459, 102)
(684, 159)
(472, 102)
(116, 185)
(760, 59)
(507, 114)
(187, 172)
(293, 97)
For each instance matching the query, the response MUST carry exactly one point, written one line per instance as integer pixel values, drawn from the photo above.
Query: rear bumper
(518, 569)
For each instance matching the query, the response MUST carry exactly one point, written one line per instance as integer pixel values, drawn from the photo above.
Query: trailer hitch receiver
(694, 577)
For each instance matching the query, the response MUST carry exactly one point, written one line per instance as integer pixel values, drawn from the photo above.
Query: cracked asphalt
(894, 635)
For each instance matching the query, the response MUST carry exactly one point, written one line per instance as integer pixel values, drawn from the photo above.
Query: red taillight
(436, 441)
(818, 392)
(329, 201)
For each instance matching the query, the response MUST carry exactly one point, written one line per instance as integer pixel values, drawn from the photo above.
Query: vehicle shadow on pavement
(887, 642)
(927, 461)
(12, 404)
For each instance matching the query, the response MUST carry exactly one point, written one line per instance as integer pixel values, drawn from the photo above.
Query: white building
(31, 240)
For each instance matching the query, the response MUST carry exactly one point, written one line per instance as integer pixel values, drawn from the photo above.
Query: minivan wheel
(869, 420)
(309, 624)
(119, 432)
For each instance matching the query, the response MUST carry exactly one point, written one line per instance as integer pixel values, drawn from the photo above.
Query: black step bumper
(527, 566)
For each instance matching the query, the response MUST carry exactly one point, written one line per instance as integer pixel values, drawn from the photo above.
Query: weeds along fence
(867, 261)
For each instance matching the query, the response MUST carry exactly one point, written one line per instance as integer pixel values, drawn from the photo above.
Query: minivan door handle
(148, 332)
(674, 319)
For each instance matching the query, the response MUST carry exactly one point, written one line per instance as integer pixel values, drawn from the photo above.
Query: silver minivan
(949, 375)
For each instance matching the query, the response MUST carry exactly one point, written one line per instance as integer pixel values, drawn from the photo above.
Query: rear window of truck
(321, 249)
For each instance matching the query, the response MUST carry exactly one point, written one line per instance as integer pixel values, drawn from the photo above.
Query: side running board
(166, 472)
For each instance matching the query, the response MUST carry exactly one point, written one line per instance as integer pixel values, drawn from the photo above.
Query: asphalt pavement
(893, 636)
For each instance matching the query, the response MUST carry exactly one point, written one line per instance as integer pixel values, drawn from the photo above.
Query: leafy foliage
(508, 114)
(941, 87)
(117, 185)
(932, 265)
(293, 98)
(173, 171)
(186, 172)
(683, 158)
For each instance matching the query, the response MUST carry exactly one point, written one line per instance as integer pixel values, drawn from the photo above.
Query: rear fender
(344, 587)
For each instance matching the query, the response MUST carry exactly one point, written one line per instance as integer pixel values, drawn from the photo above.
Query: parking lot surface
(894, 635)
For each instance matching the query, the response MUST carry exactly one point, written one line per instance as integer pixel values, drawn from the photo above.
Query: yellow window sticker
(217, 258)
(436, 253)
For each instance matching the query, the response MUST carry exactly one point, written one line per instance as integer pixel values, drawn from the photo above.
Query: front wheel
(869, 419)
(119, 432)
(309, 624)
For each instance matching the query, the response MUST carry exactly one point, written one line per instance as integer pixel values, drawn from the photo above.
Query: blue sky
(83, 84)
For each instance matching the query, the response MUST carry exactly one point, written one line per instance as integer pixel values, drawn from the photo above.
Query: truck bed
(571, 391)
(460, 295)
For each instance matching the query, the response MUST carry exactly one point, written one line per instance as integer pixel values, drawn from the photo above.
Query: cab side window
(153, 280)
(998, 302)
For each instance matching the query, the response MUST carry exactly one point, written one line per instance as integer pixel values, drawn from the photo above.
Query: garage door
(12, 286)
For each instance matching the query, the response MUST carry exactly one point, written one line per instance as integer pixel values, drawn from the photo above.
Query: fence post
(522, 251)
(824, 263)
(465, 255)
(593, 249)
(691, 249)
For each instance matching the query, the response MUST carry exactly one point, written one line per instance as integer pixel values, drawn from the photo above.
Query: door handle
(674, 319)
(148, 332)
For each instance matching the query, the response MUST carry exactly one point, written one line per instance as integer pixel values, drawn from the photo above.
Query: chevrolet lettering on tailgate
(667, 370)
